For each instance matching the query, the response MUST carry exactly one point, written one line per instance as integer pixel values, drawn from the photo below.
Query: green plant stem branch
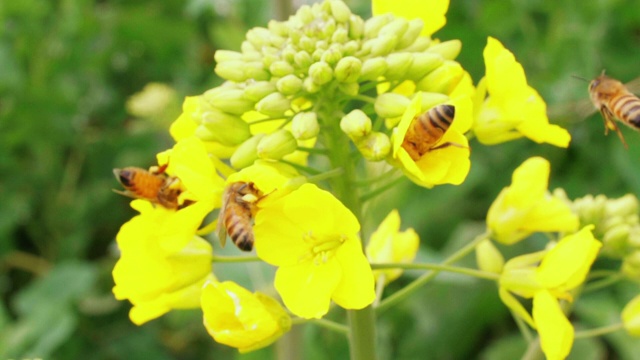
(534, 351)
(365, 98)
(427, 277)
(314, 151)
(453, 269)
(382, 189)
(375, 179)
(524, 328)
(234, 259)
(301, 168)
(325, 175)
(604, 330)
(362, 325)
(327, 324)
(597, 285)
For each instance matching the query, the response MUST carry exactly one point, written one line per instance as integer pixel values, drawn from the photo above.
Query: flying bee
(614, 100)
(236, 214)
(153, 185)
(427, 129)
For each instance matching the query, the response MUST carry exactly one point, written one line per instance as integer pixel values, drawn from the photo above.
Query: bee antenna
(579, 78)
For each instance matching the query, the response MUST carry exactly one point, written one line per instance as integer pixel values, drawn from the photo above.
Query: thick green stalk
(362, 326)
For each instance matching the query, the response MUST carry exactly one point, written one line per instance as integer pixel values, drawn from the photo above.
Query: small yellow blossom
(631, 316)
(555, 330)
(313, 239)
(513, 109)
(447, 165)
(526, 206)
(162, 264)
(389, 245)
(233, 316)
(432, 12)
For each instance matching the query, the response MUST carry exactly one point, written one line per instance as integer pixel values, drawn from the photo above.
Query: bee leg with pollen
(610, 124)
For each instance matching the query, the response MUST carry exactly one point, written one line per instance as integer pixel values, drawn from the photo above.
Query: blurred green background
(67, 68)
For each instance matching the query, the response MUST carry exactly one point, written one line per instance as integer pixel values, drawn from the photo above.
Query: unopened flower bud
(276, 145)
(380, 46)
(340, 11)
(449, 50)
(350, 89)
(310, 86)
(631, 316)
(373, 68)
(302, 59)
(489, 257)
(226, 55)
(390, 105)
(397, 27)
(373, 25)
(356, 27)
(375, 146)
(259, 37)
(304, 125)
(340, 36)
(307, 44)
(350, 48)
(258, 90)
(280, 68)
(421, 44)
(625, 205)
(356, 124)
(615, 240)
(631, 265)
(246, 153)
(255, 70)
(443, 79)
(411, 34)
(328, 28)
(423, 63)
(348, 69)
(305, 14)
(274, 105)
(232, 70)
(223, 128)
(332, 55)
(321, 73)
(228, 100)
(247, 47)
(289, 84)
(397, 65)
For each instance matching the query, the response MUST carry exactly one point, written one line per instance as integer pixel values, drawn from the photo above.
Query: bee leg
(447, 144)
(609, 123)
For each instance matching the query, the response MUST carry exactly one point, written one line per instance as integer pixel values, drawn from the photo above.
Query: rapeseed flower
(431, 12)
(313, 239)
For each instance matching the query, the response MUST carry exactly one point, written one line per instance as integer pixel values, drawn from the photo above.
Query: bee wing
(126, 193)
(633, 86)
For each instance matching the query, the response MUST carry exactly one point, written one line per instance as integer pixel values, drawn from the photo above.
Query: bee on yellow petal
(427, 129)
(153, 185)
(236, 214)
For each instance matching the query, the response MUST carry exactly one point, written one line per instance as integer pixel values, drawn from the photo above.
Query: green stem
(327, 324)
(315, 151)
(375, 179)
(325, 175)
(604, 330)
(427, 277)
(365, 98)
(234, 259)
(524, 328)
(597, 285)
(453, 269)
(378, 191)
(302, 168)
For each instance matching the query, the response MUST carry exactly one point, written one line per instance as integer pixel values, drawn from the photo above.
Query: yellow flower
(631, 316)
(233, 316)
(162, 264)
(432, 12)
(526, 206)
(389, 245)
(447, 165)
(513, 109)
(313, 239)
(560, 270)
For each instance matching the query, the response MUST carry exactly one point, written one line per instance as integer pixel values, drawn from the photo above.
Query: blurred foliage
(67, 68)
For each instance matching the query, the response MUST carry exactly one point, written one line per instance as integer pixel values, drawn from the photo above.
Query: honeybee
(427, 129)
(236, 214)
(152, 185)
(614, 100)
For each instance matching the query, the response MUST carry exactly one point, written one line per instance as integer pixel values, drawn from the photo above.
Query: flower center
(322, 247)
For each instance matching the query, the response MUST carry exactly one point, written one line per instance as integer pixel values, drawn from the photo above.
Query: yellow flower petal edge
(432, 12)
(556, 332)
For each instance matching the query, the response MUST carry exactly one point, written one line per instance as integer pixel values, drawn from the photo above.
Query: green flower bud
(259, 89)
(373, 25)
(304, 125)
(356, 124)
(489, 258)
(252, 56)
(310, 86)
(430, 100)
(305, 14)
(223, 128)
(380, 46)
(259, 37)
(397, 27)
(307, 44)
(276, 145)
(350, 48)
(280, 68)
(228, 100)
(317, 55)
(247, 47)
(390, 105)
(226, 55)
(332, 55)
(350, 89)
(340, 11)
(615, 240)
(348, 69)
(625, 205)
(340, 36)
(443, 79)
(328, 29)
(356, 27)
(289, 53)
(591, 210)
(373, 68)
(232, 70)
(278, 27)
(397, 65)
(246, 153)
(322, 44)
(255, 70)
(375, 146)
(274, 105)
(302, 59)
(289, 84)
(449, 50)
(321, 73)
(631, 269)
(423, 63)
(411, 34)
(421, 44)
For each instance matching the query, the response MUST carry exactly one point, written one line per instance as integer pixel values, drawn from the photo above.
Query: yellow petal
(631, 316)
(432, 12)
(356, 287)
(185, 125)
(556, 332)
